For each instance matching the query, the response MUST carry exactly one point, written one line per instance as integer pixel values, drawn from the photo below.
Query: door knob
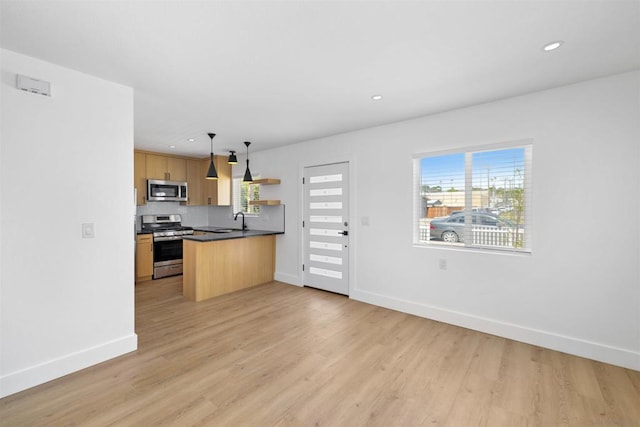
(344, 233)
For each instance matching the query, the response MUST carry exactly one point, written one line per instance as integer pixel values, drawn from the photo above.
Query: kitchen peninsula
(221, 262)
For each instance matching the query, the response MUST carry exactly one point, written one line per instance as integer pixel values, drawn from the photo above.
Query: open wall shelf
(264, 202)
(267, 181)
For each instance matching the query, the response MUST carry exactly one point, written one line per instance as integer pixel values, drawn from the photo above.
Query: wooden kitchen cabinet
(216, 192)
(177, 169)
(172, 168)
(218, 267)
(166, 167)
(144, 257)
(140, 177)
(195, 180)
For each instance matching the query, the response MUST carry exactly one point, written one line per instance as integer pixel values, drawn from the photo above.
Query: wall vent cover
(32, 85)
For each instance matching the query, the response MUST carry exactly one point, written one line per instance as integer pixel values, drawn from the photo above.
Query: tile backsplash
(191, 215)
(270, 218)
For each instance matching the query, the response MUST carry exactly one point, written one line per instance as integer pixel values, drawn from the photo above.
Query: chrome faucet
(235, 218)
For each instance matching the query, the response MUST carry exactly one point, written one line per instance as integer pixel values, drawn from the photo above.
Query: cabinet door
(144, 257)
(217, 192)
(194, 181)
(176, 169)
(224, 180)
(156, 167)
(140, 177)
(209, 186)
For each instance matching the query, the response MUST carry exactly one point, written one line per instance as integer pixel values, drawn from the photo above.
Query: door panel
(326, 240)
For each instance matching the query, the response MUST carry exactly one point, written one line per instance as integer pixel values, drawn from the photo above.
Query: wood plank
(277, 354)
(264, 202)
(222, 266)
(267, 181)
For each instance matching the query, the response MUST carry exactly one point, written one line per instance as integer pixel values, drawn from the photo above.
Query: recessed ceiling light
(191, 139)
(376, 97)
(553, 46)
(172, 146)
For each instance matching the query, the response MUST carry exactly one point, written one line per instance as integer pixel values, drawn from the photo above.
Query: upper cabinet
(172, 168)
(195, 180)
(166, 168)
(216, 191)
(140, 177)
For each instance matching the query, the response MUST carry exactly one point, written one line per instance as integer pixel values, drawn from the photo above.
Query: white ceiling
(277, 73)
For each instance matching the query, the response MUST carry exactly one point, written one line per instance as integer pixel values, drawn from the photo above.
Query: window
(243, 192)
(475, 198)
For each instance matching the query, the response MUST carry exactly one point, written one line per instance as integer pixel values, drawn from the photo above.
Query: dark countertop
(227, 236)
(208, 228)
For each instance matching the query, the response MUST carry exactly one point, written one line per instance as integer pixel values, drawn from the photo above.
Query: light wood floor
(281, 355)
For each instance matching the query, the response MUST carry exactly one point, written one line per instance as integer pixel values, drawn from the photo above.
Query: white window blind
(475, 198)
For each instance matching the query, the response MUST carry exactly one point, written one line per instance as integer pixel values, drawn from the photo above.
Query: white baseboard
(578, 347)
(56, 368)
(287, 278)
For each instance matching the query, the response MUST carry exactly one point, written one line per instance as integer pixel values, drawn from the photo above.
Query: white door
(326, 227)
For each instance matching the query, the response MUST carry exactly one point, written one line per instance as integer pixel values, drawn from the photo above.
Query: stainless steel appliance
(166, 191)
(167, 243)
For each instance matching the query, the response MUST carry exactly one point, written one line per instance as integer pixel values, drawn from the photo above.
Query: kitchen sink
(223, 230)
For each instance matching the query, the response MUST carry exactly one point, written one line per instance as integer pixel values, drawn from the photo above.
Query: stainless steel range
(167, 243)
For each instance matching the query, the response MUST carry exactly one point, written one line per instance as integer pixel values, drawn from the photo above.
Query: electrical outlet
(88, 231)
(442, 263)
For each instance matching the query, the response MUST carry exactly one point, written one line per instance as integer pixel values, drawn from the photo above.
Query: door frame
(353, 229)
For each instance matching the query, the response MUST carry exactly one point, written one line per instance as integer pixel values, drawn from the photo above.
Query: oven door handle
(166, 238)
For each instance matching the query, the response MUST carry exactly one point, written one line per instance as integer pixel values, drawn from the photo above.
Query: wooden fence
(438, 211)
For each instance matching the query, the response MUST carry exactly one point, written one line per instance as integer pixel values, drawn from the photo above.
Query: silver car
(451, 229)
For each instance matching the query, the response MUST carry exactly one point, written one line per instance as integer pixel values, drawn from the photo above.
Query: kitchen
(177, 201)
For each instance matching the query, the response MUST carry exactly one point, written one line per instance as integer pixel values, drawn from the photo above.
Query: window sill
(472, 249)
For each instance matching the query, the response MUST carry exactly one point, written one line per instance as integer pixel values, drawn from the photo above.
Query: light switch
(88, 231)
(364, 220)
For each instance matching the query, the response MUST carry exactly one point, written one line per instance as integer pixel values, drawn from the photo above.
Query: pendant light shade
(247, 173)
(212, 173)
(233, 160)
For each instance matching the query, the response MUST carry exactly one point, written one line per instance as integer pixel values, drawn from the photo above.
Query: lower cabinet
(221, 266)
(144, 257)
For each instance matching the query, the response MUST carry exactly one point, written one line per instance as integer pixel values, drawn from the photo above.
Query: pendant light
(211, 173)
(233, 160)
(247, 173)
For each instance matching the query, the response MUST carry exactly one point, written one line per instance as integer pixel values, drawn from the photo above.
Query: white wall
(66, 302)
(578, 292)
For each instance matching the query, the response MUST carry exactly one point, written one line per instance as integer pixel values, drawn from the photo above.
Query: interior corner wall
(66, 302)
(577, 292)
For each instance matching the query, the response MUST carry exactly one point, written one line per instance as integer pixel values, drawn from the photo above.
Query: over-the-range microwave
(166, 191)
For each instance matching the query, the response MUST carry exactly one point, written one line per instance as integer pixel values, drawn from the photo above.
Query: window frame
(236, 187)
(468, 151)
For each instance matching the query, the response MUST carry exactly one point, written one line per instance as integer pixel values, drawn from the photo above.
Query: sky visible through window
(496, 168)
